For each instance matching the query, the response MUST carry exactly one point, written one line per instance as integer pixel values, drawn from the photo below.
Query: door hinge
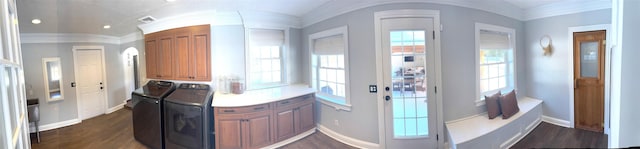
(437, 137)
(436, 89)
(434, 34)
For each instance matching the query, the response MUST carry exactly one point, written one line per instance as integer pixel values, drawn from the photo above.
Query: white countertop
(261, 96)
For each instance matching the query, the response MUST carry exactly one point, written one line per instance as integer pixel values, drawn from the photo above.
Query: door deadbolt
(387, 98)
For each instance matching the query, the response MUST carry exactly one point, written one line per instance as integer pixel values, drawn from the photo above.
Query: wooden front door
(588, 61)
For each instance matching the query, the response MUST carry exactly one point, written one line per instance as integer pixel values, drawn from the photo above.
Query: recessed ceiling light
(107, 27)
(36, 21)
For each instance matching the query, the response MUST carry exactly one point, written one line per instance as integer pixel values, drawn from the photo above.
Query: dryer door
(183, 126)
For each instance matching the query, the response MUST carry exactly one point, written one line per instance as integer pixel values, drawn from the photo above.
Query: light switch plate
(373, 88)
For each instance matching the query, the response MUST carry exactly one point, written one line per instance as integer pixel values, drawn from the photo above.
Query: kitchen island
(265, 118)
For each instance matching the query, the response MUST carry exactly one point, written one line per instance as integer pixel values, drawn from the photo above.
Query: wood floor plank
(115, 131)
(551, 136)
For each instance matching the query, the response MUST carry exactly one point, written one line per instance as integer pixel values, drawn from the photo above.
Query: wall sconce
(545, 44)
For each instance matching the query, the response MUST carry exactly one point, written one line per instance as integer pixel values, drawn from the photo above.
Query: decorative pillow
(509, 104)
(493, 105)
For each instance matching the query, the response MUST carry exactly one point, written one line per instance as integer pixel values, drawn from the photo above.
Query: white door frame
(607, 72)
(127, 61)
(378, 16)
(104, 76)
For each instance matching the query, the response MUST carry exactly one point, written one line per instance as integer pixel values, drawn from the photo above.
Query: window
(265, 58)
(329, 67)
(495, 53)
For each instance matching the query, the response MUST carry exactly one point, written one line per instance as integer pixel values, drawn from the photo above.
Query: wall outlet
(336, 122)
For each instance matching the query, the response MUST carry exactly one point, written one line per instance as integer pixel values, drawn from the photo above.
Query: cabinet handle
(258, 108)
(229, 110)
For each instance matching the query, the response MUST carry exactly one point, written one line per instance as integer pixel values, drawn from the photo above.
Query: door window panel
(589, 59)
(408, 63)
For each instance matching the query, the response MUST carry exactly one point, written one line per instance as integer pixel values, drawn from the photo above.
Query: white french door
(90, 83)
(408, 62)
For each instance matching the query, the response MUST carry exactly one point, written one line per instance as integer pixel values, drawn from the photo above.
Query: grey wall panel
(629, 102)
(58, 111)
(458, 64)
(548, 75)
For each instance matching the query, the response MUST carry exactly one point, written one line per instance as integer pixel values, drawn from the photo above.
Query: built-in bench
(480, 132)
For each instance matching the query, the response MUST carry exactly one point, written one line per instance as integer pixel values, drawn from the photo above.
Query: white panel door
(90, 84)
(409, 80)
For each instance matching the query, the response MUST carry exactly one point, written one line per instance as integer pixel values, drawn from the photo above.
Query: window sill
(480, 102)
(337, 106)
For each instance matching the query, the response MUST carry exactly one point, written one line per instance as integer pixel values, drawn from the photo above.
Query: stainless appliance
(148, 114)
(189, 117)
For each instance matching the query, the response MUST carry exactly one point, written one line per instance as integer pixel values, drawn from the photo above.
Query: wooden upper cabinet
(165, 67)
(183, 59)
(179, 54)
(151, 50)
(201, 56)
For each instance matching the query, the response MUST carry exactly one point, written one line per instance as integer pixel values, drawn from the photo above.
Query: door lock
(386, 88)
(387, 98)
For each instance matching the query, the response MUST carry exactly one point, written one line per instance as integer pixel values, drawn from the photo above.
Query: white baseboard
(55, 125)
(291, 140)
(347, 140)
(116, 108)
(556, 121)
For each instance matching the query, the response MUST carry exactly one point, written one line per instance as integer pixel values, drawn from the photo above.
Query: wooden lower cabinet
(229, 132)
(262, 125)
(285, 124)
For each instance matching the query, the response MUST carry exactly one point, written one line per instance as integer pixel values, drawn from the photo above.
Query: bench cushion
(493, 105)
(509, 105)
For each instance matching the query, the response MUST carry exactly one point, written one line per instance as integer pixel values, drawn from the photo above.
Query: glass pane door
(409, 84)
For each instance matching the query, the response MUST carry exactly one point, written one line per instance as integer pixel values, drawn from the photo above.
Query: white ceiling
(527, 4)
(88, 16)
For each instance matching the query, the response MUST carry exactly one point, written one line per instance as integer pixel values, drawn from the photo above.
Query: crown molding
(187, 19)
(131, 37)
(335, 8)
(67, 38)
(564, 8)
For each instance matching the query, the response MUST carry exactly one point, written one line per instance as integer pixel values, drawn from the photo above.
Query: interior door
(589, 79)
(409, 80)
(90, 84)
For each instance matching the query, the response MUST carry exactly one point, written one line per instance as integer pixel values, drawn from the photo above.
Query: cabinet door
(151, 52)
(182, 57)
(284, 124)
(305, 118)
(165, 66)
(229, 132)
(258, 130)
(201, 56)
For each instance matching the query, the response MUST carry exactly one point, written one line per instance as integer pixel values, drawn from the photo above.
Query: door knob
(387, 98)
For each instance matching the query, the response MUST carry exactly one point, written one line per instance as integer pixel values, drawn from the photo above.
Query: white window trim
(284, 59)
(479, 100)
(343, 30)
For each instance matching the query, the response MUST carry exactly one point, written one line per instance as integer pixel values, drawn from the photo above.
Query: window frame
(326, 99)
(284, 59)
(479, 100)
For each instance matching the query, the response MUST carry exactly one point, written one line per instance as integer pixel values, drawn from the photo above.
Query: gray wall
(629, 102)
(228, 49)
(458, 62)
(57, 111)
(142, 67)
(547, 75)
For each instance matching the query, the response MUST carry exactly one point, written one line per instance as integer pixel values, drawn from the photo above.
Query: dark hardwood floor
(115, 131)
(551, 136)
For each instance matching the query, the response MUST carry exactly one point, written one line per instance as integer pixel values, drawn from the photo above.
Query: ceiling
(527, 4)
(89, 16)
